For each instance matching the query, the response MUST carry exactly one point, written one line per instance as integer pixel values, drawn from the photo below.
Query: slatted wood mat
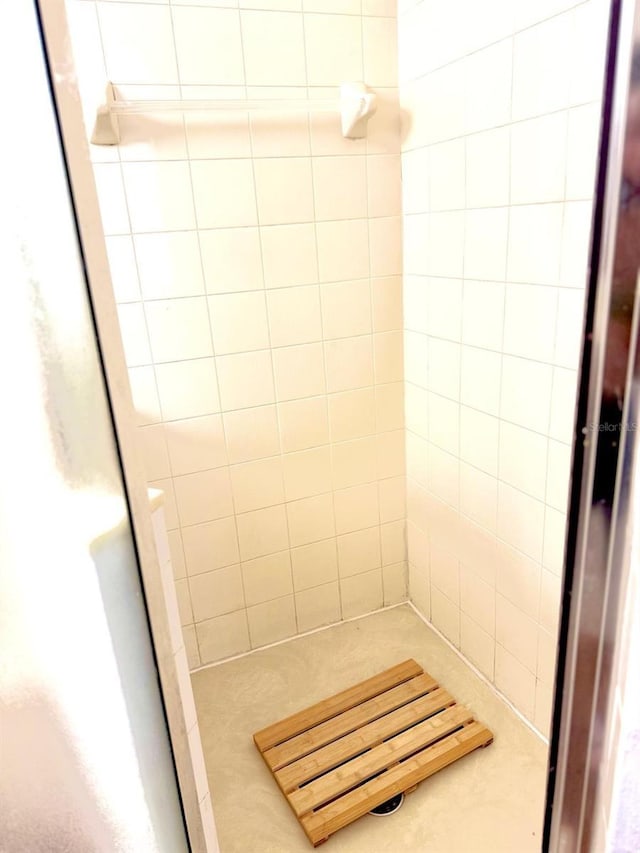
(342, 757)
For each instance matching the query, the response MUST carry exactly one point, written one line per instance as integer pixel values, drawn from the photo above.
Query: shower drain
(389, 806)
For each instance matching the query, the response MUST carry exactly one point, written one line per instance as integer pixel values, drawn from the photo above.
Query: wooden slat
(364, 738)
(379, 758)
(322, 711)
(347, 722)
(323, 823)
(394, 736)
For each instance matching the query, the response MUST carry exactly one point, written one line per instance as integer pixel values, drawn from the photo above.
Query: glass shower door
(86, 763)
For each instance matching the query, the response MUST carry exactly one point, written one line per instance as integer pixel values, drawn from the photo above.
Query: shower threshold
(339, 759)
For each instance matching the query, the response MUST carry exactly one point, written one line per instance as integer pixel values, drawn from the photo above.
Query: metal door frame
(595, 565)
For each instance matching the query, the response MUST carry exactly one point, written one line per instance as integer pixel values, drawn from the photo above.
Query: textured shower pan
(342, 757)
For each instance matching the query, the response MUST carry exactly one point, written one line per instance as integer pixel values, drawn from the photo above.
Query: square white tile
(245, 379)
(209, 46)
(340, 187)
(284, 190)
(258, 484)
(159, 196)
(273, 44)
(289, 255)
(169, 264)
(294, 315)
(130, 60)
(224, 193)
(178, 329)
(344, 60)
(239, 322)
(231, 259)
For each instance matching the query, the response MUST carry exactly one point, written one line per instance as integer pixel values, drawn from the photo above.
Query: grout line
(181, 526)
(431, 627)
(553, 382)
(141, 302)
(497, 479)
(355, 156)
(297, 637)
(501, 419)
(480, 524)
(343, 221)
(266, 315)
(507, 124)
(243, 7)
(283, 503)
(281, 454)
(326, 395)
(266, 405)
(372, 347)
(96, 13)
(490, 414)
(516, 32)
(553, 364)
(214, 294)
(481, 676)
(458, 604)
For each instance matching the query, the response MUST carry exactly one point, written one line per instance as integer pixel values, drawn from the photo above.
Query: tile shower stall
(353, 362)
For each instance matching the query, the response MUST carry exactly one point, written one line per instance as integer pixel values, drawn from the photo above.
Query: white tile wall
(256, 262)
(500, 121)
(257, 271)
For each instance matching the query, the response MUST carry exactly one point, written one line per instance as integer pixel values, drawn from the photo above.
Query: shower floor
(489, 802)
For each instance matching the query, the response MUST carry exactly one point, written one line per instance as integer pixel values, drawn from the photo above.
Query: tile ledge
(107, 515)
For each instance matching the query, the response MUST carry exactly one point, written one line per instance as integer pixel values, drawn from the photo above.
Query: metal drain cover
(389, 806)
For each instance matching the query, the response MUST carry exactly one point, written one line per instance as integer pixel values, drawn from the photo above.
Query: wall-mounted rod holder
(356, 106)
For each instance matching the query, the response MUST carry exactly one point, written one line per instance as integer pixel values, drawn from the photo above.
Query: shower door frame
(597, 564)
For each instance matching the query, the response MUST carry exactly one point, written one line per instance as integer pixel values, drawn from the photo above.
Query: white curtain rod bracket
(356, 105)
(106, 130)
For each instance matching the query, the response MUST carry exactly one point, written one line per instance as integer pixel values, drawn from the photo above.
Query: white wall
(501, 114)
(256, 262)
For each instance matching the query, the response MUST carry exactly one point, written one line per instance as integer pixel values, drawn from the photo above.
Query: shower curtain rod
(355, 106)
(138, 107)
